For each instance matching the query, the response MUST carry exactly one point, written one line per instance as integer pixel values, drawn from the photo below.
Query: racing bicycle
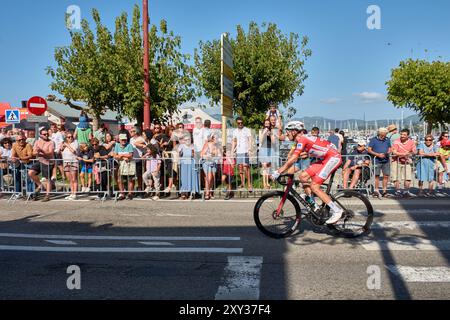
(278, 214)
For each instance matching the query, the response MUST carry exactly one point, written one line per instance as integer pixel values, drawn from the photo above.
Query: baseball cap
(123, 137)
(362, 143)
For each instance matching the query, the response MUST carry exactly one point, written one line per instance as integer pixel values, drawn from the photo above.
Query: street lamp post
(146, 67)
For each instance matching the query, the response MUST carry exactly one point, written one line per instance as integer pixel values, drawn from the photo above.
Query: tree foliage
(423, 87)
(105, 70)
(268, 67)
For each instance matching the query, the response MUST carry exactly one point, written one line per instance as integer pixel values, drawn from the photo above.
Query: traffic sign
(12, 116)
(37, 105)
(227, 77)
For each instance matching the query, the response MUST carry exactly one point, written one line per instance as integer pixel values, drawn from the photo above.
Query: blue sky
(347, 71)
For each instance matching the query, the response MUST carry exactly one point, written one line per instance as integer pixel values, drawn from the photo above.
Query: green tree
(170, 75)
(423, 87)
(268, 67)
(83, 71)
(106, 71)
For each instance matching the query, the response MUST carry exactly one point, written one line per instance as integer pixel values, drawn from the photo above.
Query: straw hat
(392, 127)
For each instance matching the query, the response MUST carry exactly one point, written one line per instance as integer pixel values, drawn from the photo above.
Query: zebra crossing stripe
(241, 279)
(412, 211)
(410, 225)
(421, 274)
(409, 244)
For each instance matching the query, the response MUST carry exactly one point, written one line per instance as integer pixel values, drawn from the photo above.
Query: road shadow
(37, 274)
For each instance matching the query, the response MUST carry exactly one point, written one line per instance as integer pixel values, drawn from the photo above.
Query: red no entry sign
(37, 105)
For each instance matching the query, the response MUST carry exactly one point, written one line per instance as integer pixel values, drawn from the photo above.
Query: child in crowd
(153, 170)
(228, 167)
(273, 112)
(85, 156)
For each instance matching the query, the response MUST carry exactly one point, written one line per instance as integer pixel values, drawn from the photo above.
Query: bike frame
(290, 190)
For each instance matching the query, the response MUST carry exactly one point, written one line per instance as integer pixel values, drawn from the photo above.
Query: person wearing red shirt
(329, 160)
(401, 168)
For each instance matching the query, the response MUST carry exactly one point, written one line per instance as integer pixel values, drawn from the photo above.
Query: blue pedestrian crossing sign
(12, 116)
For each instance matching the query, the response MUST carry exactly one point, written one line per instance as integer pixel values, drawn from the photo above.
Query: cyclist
(329, 160)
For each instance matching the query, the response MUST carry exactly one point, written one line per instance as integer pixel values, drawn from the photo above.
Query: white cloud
(330, 100)
(368, 97)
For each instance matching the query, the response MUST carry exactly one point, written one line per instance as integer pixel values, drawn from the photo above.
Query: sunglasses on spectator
(428, 139)
(239, 123)
(44, 134)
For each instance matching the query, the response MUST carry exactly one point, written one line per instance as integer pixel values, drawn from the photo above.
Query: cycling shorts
(320, 171)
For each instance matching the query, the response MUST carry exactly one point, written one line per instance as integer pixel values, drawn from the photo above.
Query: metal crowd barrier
(7, 178)
(419, 170)
(178, 176)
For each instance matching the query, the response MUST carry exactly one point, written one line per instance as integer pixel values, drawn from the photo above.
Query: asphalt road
(177, 250)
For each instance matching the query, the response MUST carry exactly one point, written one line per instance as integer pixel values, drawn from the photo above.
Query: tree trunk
(96, 122)
(429, 127)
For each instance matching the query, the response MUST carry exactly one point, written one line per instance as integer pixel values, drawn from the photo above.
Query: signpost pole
(227, 84)
(146, 67)
(36, 130)
(224, 117)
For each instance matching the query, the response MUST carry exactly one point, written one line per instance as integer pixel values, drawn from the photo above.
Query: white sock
(333, 206)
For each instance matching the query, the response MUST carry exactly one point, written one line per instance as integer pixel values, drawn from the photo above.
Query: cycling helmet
(295, 125)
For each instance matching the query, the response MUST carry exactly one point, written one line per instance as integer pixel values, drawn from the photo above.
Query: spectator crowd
(168, 159)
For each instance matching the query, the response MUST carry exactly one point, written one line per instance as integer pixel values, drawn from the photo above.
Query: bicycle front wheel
(270, 222)
(358, 214)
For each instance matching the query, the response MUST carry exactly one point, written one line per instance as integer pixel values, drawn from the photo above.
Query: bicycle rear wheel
(271, 224)
(357, 217)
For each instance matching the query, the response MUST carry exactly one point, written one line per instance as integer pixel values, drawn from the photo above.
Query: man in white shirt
(241, 148)
(198, 137)
(58, 139)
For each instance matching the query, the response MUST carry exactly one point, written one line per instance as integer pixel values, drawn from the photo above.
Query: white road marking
(421, 274)
(62, 242)
(119, 238)
(411, 225)
(413, 244)
(412, 211)
(241, 279)
(173, 215)
(199, 201)
(72, 201)
(157, 243)
(122, 250)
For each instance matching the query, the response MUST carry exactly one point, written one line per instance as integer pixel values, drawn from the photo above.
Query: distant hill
(326, 123)
(344, 124)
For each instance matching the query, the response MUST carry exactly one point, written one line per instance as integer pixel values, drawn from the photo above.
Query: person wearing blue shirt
(426, 165)
(123, 153)
(380, 148)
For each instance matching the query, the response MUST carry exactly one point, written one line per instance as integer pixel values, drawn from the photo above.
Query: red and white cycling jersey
(329, 159)
(315, 146)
